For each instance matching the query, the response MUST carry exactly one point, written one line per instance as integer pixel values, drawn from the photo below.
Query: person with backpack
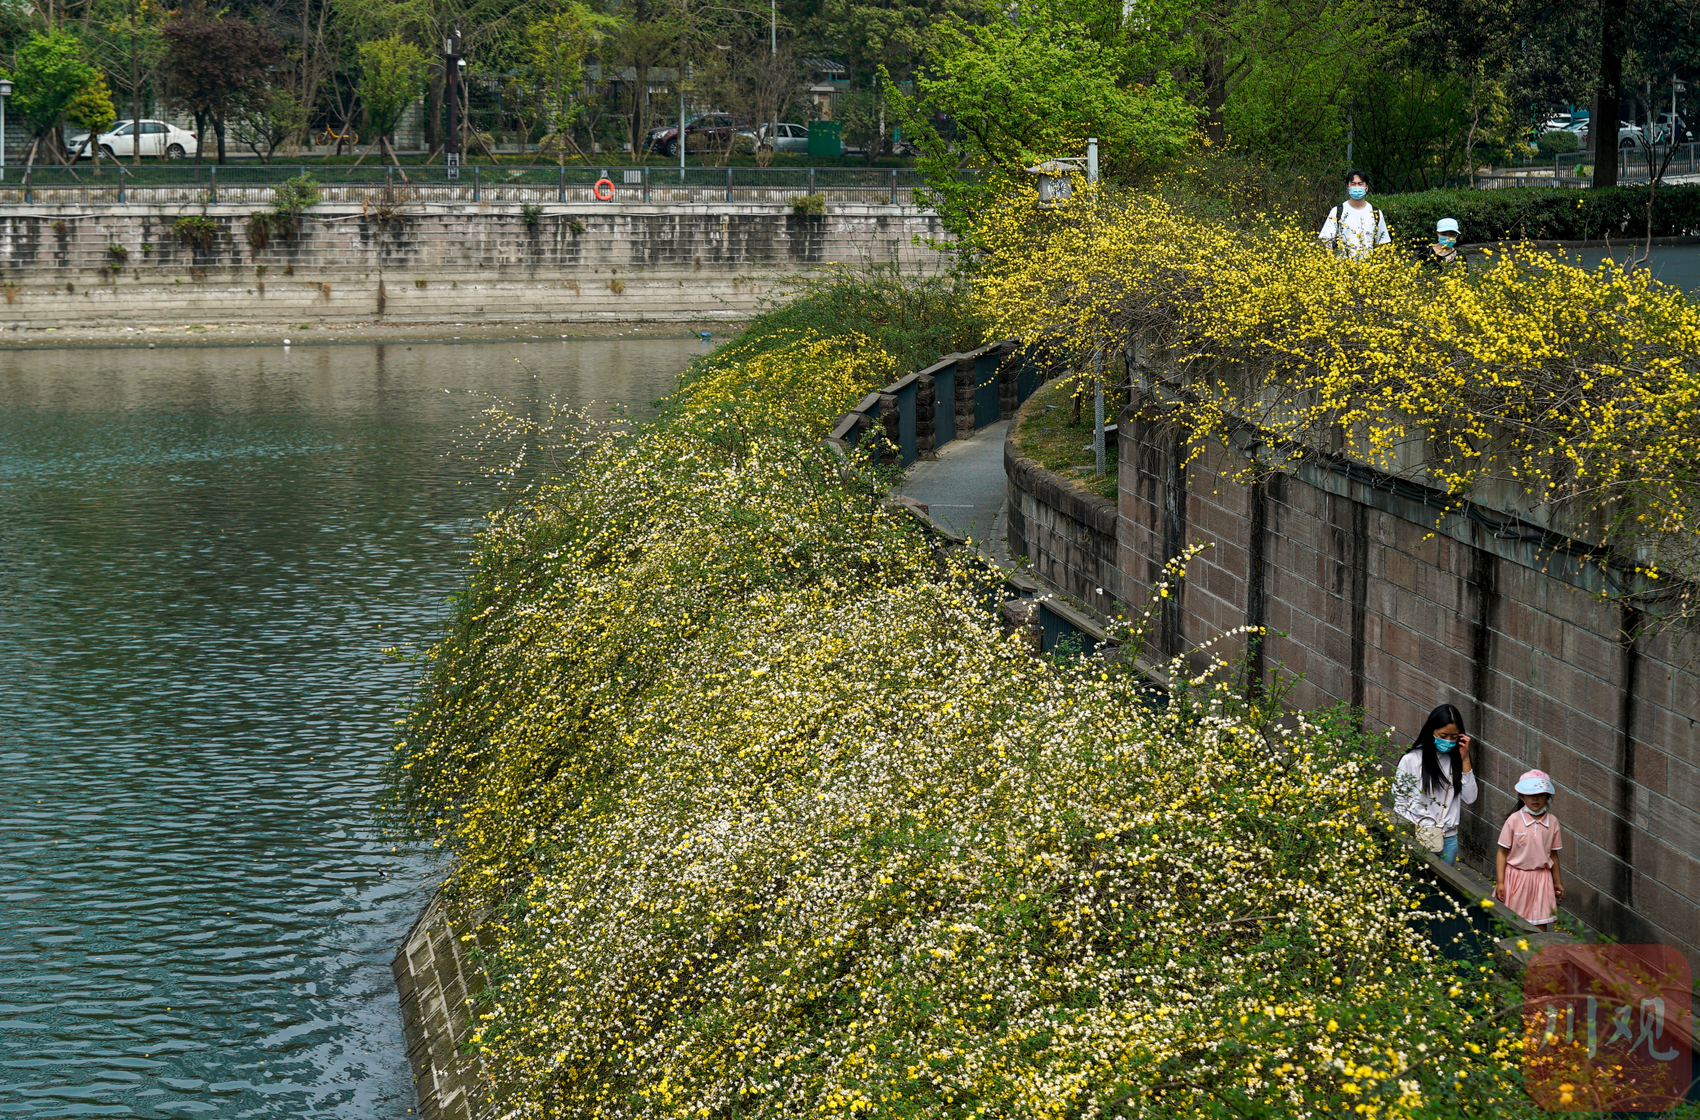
(1355, 228)
(1435, 780)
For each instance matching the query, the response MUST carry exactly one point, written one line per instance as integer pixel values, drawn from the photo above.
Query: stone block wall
(1066, 533)
(432, 262)
(1380, 597)
(438, 977)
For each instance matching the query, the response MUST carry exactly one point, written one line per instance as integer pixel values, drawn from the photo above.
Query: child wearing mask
(1444, 254)
(1527, 875)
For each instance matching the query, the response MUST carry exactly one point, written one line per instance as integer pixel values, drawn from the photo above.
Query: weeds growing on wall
(765, 816)
(1579, 390)
(196, 231)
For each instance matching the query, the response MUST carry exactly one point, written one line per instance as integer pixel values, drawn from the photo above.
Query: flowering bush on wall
(758, 812)
(1578, 390)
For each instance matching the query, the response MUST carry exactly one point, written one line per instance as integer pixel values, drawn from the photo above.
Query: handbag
(1431, 837)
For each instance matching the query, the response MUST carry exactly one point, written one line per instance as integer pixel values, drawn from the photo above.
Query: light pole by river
(5, 92)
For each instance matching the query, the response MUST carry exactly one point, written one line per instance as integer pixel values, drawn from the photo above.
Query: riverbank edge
(437, 978)
(107, 336)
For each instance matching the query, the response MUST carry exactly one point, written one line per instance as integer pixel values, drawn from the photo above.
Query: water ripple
(203, 555)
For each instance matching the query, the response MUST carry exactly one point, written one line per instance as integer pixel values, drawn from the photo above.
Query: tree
(392, 73)
(92, 109)
(872, 38)
(555, 50)
(218, 67)
(49, 74)
(263, 124)
(1023, 93)
(128, 43)
(649, 34)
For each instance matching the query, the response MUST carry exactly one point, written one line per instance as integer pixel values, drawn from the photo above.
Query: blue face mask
(1444, 745)
(1357, 192)
(1447, 240)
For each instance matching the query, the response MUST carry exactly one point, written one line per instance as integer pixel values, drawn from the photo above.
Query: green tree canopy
(91, 108)
(49, 75)
(554, 54)
(392, 73)
(1022, 93)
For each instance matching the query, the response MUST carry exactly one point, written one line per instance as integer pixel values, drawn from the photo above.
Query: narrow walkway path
(964, 489)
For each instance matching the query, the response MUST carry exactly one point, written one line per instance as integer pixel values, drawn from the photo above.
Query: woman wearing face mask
(1354, 228)
(1435, 781)
(1444, 254)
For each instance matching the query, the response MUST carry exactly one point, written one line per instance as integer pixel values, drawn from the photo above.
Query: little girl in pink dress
(1527, 871)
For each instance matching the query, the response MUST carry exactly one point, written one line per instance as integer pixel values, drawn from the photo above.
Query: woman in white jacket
(1434, 781)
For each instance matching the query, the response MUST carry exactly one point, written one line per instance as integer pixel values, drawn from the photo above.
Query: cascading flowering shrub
(1578, 390)
(758, 812)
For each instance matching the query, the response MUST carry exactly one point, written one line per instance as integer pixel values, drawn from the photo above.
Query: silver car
(159, 138)
(786, 138)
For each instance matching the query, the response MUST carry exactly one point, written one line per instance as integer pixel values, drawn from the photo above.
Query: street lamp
(1055, 185)
(5, 92)
(454, 65)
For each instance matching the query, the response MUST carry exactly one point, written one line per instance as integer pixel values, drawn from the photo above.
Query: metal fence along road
(480, 183)
(1565, 170)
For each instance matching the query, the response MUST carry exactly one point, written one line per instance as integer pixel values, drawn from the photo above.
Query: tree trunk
(1470, 140)
(1215, 88)
(200, 131)
(218, 127)
(135, 109)
(1608, 94)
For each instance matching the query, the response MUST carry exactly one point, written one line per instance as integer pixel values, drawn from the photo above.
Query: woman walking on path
(1526, 875)
(1435, 780)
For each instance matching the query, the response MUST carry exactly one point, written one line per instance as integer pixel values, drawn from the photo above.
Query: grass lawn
(1049, 434)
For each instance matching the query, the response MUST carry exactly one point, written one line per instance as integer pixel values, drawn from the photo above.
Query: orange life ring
(597, 190)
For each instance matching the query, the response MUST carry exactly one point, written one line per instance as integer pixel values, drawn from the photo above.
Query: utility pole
(452, 63)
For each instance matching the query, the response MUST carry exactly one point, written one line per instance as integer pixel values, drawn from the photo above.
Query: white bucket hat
(1446, 225)
(1534, 781)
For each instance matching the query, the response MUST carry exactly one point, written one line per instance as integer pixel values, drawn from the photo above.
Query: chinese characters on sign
(1607, 1028)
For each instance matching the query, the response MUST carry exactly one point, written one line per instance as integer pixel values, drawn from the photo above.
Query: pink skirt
(1529, 894)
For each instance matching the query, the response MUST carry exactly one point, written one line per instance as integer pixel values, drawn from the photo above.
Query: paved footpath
(964, 488)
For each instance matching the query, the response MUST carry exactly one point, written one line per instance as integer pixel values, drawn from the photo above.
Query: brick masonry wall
(1381, 599)
(433, 262)
(1065, 533)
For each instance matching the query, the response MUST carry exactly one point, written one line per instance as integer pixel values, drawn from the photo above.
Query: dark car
(709, 130)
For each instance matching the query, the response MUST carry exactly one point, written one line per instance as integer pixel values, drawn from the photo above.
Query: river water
(203, 556)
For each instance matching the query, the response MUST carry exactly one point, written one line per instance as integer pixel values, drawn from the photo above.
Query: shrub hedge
(1544, 213)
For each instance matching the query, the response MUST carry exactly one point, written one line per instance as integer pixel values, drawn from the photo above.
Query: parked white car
(1628, 135)
(159, 138)
(786, 138)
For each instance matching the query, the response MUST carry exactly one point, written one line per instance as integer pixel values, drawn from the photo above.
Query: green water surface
(203, 554)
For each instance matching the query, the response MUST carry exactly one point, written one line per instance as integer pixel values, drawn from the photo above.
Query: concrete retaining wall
(433, 262)
(437, 978)
(1064, 531)
(1381, 598)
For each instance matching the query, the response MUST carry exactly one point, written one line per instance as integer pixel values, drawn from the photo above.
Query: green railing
(110, 182)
